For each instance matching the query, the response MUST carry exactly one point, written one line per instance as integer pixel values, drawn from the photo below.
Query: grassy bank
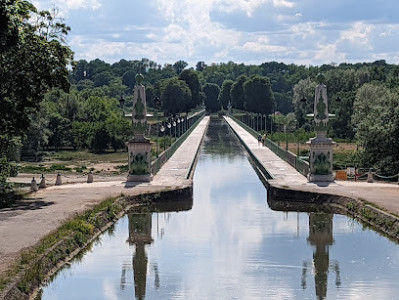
(56, 248)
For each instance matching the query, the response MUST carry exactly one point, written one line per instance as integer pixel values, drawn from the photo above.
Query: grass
(78, 156)
(36, 263)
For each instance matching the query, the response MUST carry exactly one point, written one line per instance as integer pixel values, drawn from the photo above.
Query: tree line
(46, 106)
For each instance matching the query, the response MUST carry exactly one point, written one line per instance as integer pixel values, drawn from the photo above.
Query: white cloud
(305, 30)
(328, 53)
(359, 34)
(65, 7)
(78, 4)
(262, 44)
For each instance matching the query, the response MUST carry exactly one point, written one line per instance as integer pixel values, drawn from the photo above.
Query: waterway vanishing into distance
(226, 243)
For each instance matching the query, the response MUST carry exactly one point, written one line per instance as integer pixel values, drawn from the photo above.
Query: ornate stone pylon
(321, 147)
(139, 148)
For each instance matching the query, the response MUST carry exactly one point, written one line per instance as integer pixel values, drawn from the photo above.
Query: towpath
(45, 210)
(383, 195)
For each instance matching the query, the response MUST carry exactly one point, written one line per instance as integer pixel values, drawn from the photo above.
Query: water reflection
(140, 235)
(321, 238)
(229, 245)
(140, 230)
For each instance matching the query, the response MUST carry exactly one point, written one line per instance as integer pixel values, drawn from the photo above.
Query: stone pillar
(139, 160)
(370, 178)
(90, 177)
(43, 182)
(321, 159)
(321, 147)
(33, 185)
(58, 181)
(139, 148)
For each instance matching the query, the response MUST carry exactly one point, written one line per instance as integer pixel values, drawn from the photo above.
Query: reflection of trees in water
(220, 139)
(321, 236)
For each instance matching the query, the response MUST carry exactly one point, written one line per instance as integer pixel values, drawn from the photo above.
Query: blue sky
(305, 32)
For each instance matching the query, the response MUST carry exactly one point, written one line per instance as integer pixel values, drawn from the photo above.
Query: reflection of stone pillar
(139, 148)
(140, 261)
(140, 235)
(321, 236)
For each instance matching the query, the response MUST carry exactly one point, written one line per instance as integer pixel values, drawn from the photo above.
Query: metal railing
(165, 155)
(300, 165)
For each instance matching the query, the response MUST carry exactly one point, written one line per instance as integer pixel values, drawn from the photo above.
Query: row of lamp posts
(179, 123)
(256, 121)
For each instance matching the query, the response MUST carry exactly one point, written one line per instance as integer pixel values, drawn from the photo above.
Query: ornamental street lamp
(122, 104)
(182, 124)
(163, 131)
(170, 129)
(174, 127)
(178, 124)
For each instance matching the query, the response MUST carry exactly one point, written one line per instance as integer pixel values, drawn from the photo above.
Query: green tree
(176, 96)
(237, 93)
(258, 95)
(303, 100)
(103, 78)
(225, 97)
(376, 117)
(36, 63)
(179, 66)
(211, 92)
(191, 78)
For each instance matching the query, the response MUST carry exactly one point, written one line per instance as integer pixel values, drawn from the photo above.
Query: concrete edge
(193, 165)
(280, 198)
(283, 199)
(253, 157)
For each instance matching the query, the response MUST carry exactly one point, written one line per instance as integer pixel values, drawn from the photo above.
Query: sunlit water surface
(231, 245)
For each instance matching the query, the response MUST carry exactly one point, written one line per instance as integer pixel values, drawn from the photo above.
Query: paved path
(383, 195)
(44, 211)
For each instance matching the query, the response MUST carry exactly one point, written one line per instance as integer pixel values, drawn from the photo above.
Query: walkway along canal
(226, 243)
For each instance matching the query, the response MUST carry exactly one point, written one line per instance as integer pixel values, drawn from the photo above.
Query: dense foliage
(88, 116)
(33, 59)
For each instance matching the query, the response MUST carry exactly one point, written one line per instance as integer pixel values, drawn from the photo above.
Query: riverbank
(377, 204)
(43, 212)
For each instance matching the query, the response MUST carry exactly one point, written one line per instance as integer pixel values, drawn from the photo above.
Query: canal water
(226, 243)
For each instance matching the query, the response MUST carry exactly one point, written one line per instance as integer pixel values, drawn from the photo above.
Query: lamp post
(170, 129)
(182, 124)
(174, 127)
(271, 124)
(163, 131)
(264, 115)
(122, 104)
(178, 125)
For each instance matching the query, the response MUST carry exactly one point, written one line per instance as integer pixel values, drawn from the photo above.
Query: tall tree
(258, 95)
(211, 91)
(303, 100)
(179, 66)
(191, 78)
(36, 62)
(376, 117)
(237, 93)
(175, 96)
(225, 96)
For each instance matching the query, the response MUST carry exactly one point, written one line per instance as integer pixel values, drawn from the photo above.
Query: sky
(303, 32)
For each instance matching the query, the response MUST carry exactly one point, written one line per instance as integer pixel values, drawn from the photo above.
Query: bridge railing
(165, 155)
(300, 165)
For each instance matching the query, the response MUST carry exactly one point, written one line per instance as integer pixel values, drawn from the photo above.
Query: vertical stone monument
(321, 147)
(139, 147)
